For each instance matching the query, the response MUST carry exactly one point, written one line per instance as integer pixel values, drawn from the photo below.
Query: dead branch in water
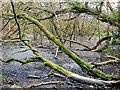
(45, 83)
(106, 63)
(114, 60)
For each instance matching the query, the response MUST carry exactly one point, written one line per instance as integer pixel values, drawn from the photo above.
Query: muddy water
(19, 74)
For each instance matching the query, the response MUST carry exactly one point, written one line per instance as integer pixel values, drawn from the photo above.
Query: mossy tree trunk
(65, 72)
(84, 65)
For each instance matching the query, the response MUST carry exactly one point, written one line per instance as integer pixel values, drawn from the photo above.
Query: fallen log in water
(84, 65)
(65, 72)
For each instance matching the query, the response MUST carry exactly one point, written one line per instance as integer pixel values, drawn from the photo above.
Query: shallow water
(18, 74)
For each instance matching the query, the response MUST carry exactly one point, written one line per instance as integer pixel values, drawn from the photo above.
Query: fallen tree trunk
(84, 65)
(65, 72)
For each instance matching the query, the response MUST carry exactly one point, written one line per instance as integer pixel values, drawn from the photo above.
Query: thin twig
(73, 41)
(9, 31)
(69, 19)
(45, 83)
(33, 76)
(58, 75)
(5, 25)
(9, 40)
(106, 63)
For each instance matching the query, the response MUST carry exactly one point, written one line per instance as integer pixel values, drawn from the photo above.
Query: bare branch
(45, 83)
(106, 63)
(79, 7)
(5, 25)
(15, 17)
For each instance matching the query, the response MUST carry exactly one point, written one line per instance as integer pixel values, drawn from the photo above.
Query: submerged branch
(19, 52)
(21, 61)
(45, 83)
